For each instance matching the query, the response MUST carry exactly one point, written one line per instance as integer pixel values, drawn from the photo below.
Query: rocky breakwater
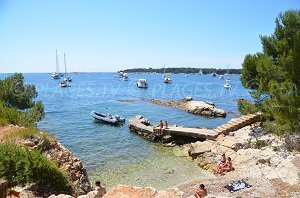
(194, 107)
(259, 158)
(63, 158)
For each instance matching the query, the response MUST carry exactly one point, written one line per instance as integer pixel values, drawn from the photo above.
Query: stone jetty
(194, 107)
(142, 126)
(175, 134)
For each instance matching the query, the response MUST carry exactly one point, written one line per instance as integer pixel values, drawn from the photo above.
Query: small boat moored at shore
(142, 83)
(108, 118)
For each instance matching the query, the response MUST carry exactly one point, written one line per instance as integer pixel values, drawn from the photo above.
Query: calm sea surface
(114, 154)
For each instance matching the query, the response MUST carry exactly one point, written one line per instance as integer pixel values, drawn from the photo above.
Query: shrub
(245, 107)
(20, 166)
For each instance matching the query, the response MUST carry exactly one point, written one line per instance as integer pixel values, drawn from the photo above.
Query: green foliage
(16, 102)
(245, 107)
(20, 166)
(274, 75)
(15, 93)
(179, 70)
(259, 144)
(28, 133)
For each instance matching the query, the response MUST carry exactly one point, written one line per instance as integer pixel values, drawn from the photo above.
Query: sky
(109, 35)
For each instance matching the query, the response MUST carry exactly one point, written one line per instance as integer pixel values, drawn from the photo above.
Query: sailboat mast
(57, 64)
(65, 64)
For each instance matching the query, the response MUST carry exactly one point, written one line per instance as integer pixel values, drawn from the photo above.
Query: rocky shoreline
(55, 152)
(194, 107)
(260, 159)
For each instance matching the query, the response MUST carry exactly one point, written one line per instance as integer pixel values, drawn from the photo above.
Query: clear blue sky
(109, 35)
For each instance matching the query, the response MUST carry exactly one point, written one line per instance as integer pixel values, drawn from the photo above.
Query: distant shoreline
(184, 70)
(174, 70)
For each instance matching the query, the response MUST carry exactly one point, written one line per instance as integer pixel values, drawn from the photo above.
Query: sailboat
(200, 72)
(56, 74)
(66, 78)
(167, 78)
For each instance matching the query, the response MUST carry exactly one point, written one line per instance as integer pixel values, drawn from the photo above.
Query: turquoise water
(114, 154)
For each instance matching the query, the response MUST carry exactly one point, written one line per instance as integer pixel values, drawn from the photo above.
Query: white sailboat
(56, 74)
(66, 78)
(66, 81)
(200, 72)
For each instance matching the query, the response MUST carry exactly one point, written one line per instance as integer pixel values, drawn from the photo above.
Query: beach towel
(236, 186)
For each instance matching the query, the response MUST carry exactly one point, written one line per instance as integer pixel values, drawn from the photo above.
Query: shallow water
(114, 154)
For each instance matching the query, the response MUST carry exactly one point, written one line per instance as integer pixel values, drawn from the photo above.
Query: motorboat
(64, 84)
(119, 74)
(221, 77)
(68, 79)
(142, 83)
(167, 79)
(125, 77)
(55, 76)
(227, 84)
(106, 117)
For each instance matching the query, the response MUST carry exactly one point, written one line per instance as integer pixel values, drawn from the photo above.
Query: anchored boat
(142, 83)
(108, 118)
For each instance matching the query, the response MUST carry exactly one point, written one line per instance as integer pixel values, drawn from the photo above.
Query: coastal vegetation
(19, 163)
(186, 70)
(273, 75)
(17, 104)
(21, 166)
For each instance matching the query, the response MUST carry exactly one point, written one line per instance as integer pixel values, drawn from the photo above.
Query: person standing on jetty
(161, 126)
(201, 191)
(101, 191)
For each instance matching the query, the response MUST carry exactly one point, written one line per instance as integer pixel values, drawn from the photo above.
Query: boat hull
(105, 118)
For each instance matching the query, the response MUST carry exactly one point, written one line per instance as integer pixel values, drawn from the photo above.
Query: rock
(26, 194)
(61, 196)
(173, 192)
(292, 141)
(194, 107)
(130, 192)
(202, 108)
(199, 148)
(92, 194)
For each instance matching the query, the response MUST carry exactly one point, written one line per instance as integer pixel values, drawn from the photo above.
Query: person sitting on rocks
(227, 167)
(200, 192)
(221, 163)
(101, 191)
(166, 124)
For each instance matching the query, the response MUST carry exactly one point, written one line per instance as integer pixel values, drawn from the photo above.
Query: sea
(113, 154)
